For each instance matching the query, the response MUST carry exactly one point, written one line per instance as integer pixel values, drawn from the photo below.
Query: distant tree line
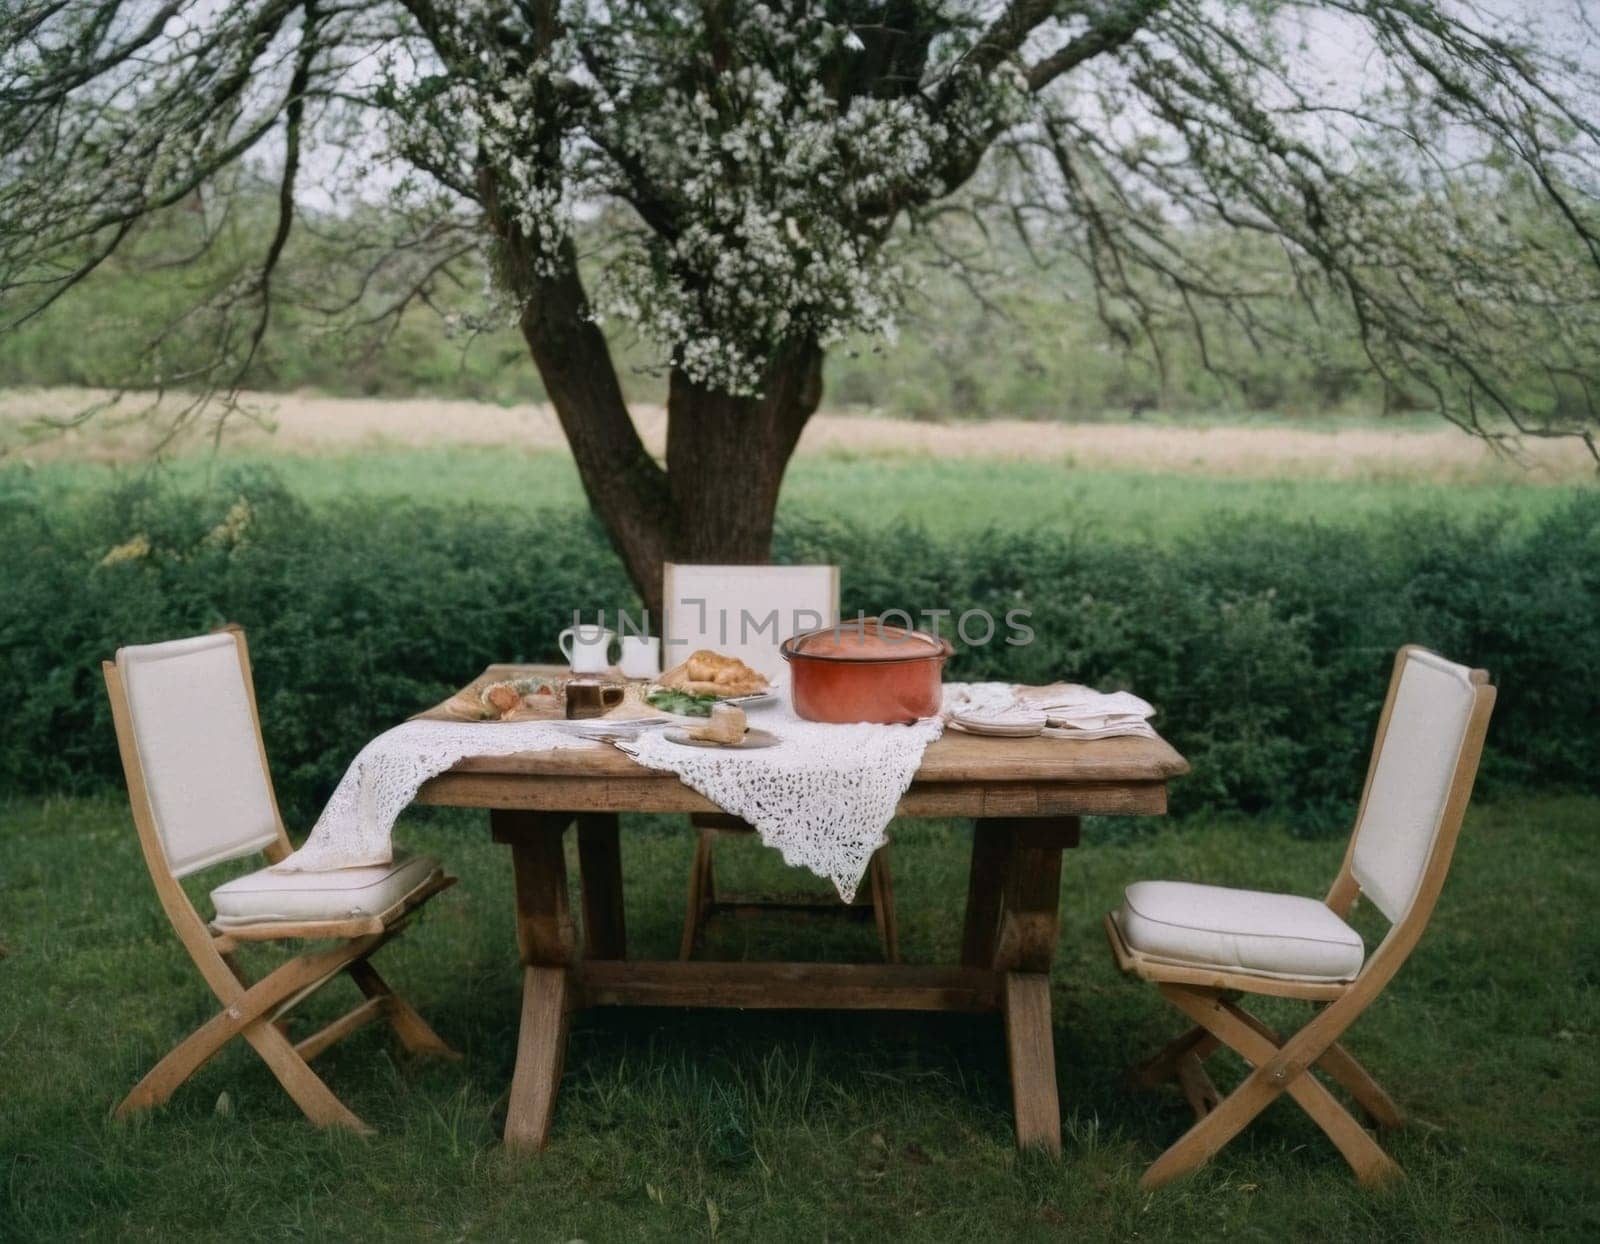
(1031, 344)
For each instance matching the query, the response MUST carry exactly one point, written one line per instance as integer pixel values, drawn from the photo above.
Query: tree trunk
(726, 458)
(625, 485)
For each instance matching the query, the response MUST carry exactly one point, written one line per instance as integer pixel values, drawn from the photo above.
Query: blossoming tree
(735, 180)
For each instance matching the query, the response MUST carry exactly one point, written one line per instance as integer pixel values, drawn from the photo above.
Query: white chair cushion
(344, 894)
(1242, 930)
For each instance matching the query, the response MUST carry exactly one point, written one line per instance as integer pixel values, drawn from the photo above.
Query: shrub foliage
(1266, 648)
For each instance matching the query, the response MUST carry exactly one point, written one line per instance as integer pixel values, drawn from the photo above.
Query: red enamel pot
(866, 670)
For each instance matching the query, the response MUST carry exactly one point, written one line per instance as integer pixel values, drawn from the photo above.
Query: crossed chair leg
(1221, 1021)
(257, 1013)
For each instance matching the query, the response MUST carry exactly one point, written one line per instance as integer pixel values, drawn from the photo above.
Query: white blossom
(781, 200)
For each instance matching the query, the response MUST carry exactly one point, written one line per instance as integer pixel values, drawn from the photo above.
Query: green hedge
(1266, 648)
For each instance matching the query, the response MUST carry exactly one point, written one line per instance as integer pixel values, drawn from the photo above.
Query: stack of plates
(1011, 723)
(628, 727)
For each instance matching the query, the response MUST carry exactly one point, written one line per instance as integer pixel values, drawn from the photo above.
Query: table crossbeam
(785, 986)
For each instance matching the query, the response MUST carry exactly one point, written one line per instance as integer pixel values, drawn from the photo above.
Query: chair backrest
(1423, 766)
(744, 611)
(196, 758)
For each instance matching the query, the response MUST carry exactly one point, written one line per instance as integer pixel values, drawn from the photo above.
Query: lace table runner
(357, 826)
(822, 796)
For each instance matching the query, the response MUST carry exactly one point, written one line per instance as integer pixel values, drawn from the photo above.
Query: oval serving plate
(752, 739)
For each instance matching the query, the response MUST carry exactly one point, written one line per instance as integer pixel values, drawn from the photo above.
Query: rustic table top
(953, 758)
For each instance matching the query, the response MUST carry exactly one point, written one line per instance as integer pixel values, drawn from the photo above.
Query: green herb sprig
(681, 702)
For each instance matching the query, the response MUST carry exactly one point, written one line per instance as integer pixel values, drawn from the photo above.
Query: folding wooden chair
(747, 612)
(190, 739)
(1204, 945)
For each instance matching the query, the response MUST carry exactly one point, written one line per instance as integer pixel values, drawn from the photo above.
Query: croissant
(710, 673)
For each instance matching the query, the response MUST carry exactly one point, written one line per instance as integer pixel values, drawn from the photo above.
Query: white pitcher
(587, 648)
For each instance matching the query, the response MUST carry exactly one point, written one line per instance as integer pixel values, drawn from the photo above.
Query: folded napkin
(1083, 713)
(1072, 711)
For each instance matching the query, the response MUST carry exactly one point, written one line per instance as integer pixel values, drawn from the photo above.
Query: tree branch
(294, 115)
(1116, 26)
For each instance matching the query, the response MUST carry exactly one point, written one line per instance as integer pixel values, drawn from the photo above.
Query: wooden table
(1024, 795)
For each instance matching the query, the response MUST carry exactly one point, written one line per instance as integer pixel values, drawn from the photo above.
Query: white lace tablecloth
(357, 826)
(822, 796)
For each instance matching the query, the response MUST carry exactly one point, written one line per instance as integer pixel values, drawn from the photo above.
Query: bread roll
(727, 725)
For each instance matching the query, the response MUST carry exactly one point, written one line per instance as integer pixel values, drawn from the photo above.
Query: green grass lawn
(945, 495)
(676, 1125)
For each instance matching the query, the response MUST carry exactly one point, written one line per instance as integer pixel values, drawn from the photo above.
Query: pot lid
(866, 639)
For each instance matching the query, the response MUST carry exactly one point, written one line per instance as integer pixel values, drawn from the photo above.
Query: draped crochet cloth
(822, 796)
(356, 828)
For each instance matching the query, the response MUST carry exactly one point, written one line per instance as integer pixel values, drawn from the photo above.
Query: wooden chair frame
(257, 1010)
(704, 902)
(1285, 1065)
(875, 900)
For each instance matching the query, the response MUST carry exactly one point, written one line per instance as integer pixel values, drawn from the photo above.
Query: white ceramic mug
(587, 648)
(641, 656)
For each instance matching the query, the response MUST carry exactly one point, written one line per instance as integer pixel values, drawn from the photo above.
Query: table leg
(1029, 927)
(986, 883)
(1030, 1048)
(1030, 923)
(541, 1053)
(545, 939)
(605, 929)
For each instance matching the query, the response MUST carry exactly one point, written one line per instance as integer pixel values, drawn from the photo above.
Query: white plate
(752, 739)
(601, 727)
